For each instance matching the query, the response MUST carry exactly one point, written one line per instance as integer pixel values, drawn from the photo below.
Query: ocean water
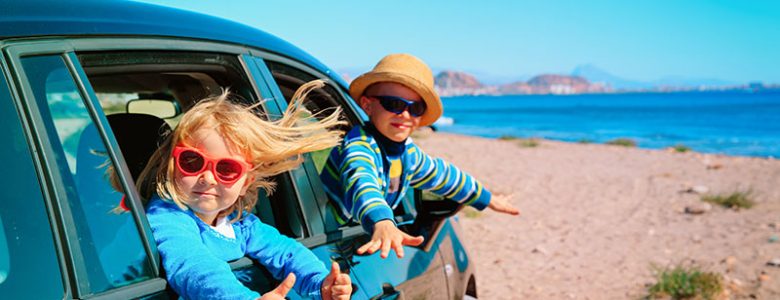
(733, 123)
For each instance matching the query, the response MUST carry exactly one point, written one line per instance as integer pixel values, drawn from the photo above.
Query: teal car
(87, 89)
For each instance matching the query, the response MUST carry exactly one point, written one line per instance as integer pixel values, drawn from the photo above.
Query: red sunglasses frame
(208, 160)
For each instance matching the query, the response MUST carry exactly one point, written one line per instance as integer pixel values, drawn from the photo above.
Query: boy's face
(206, 196)
(396, 127)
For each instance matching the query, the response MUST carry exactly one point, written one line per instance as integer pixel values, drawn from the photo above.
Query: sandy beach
(597, 219)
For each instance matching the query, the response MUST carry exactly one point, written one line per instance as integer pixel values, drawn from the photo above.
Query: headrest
(138, 136)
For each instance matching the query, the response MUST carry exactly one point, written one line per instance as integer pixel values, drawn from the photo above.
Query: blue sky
(735, 41)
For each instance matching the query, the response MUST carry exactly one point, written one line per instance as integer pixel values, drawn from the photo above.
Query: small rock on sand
(775, 262)
(698, 208)
(697, 189)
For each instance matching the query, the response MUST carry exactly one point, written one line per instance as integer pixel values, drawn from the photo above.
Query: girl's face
(206, 196)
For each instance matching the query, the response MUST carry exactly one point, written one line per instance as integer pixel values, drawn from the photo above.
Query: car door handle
(389, 293)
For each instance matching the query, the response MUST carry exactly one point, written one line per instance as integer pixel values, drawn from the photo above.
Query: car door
(101, 254)
(420, 274)
(28, 254)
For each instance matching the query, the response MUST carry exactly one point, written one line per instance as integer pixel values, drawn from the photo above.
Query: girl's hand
(336, 286)
(500, 203)
(280, 292)
(387, 236)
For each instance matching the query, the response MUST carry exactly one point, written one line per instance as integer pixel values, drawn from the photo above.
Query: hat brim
(431, 98)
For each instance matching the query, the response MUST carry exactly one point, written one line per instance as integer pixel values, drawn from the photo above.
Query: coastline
(596, 219)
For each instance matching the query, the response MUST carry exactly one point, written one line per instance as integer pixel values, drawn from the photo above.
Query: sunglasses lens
(393, 105)
(229, 170)
(190, 161)
(417, 109)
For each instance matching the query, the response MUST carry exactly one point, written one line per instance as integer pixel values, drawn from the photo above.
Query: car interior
(144, 94)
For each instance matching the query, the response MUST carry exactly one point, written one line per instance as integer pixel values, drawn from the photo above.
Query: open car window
(145, 93)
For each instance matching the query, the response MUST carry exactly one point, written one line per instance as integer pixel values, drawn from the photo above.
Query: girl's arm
(282, 255)
(192, 271)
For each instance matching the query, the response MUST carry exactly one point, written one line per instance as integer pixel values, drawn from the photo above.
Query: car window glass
(28, 259)
(320, 102)
(108, 237)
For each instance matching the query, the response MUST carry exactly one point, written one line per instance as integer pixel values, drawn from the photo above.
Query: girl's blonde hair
(272, 147)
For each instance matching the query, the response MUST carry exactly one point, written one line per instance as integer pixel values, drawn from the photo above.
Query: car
(87, 88)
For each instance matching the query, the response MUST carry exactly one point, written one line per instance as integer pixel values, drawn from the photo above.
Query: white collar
(224, 228)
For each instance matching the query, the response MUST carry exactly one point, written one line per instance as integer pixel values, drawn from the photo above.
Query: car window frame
(324, 232)
(333, 232)
(8, 79)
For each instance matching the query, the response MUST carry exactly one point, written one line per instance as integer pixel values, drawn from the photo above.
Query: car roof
(37, 18)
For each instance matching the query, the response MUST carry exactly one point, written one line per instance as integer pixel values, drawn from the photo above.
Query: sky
(734, 41)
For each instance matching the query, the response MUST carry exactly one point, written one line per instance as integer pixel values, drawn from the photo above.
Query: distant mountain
(583, 79)
(595, 74)
(453, 79)
(563, 84)
(451, 83)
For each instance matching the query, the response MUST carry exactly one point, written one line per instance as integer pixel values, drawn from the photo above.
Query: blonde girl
(202, 182)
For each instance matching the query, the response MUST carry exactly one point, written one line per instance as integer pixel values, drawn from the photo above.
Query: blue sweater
(355, 177)
(195, 256)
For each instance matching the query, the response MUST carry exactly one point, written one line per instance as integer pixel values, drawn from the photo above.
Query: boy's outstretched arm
(387, 236)
(446, 180)
(500, 203)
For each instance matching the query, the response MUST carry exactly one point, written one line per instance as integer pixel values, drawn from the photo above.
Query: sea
(733, 123)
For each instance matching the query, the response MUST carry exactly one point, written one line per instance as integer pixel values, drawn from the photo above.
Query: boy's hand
(280, 292)
(387, 236)
(500, 203)
(336, 286)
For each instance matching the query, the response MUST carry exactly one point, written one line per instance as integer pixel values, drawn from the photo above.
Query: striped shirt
(358, 184)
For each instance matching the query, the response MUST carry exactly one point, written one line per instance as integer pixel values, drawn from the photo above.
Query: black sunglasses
(398, 105)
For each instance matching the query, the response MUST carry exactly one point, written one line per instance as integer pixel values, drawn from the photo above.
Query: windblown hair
(272, 147)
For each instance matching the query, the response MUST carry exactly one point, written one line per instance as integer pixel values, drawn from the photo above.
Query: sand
(597, 220)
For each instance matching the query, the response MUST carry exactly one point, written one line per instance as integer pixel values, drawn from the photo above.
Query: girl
(202, 182)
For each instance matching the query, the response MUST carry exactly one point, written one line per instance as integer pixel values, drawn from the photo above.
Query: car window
(320, 102)
(145, 93)
(108, 238)
(28, 258)
(289, 79)
(122, 78)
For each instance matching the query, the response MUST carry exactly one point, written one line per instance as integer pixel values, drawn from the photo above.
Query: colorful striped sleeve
(351, 178)
(446, 180)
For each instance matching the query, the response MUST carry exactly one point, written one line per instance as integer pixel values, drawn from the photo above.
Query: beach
(597, 221)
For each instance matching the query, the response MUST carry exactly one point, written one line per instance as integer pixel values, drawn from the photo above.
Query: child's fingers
(365, 247)
(335, 270)
(342, 289)
(385, 248)
(413, 240)
(343, 279)
(399, 248)
(374, 247)
(284, 287)
(509, 209)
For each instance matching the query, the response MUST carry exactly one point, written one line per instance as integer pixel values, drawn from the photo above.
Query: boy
(369, 173)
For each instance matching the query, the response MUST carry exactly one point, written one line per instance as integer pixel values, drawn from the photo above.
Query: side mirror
(432, 210)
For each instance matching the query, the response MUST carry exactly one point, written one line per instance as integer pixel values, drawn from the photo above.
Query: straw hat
(407, 70)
